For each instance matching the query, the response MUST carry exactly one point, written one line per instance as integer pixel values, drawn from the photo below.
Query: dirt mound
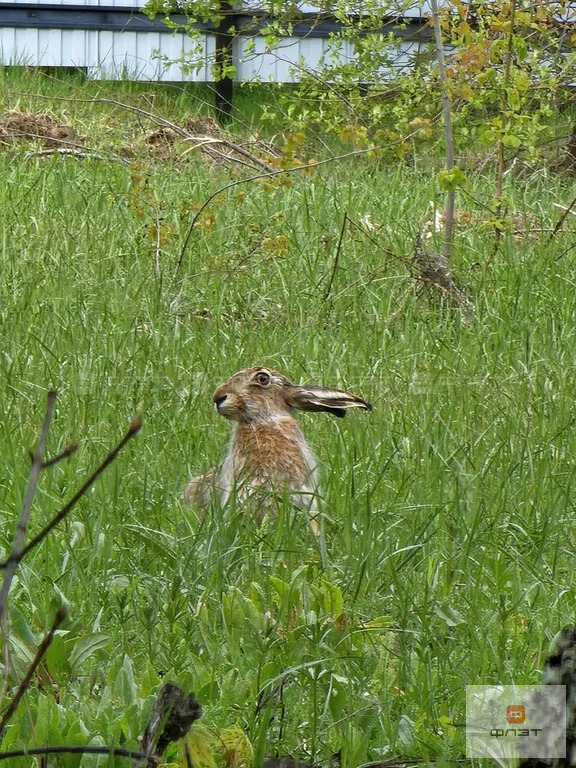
(204, 126)
(162, 139)
(16, 127)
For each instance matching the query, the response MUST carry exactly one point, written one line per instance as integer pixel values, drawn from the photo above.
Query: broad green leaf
(124, 685)
(449, 615)
(21, 649)
(57, 658)
(85, 647)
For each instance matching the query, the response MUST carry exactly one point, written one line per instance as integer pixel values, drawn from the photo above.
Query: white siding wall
(282, 63)
(142, 55)
(391, 5)
(113, 55)
(138, 55)
(117, 3)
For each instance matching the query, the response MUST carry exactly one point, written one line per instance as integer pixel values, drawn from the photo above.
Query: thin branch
(501, 208)
(133, 430)
(207, 146)
(506, 83)
(368, 236)
(114, 751)
(565, 252)
(137, 110)
(20, 534)
(560, 223)
(68, 451)
(42, 648)
(257, 176)
(215, 155)
(42, 137)
(447, 113)
(244, 152)
(182, 132)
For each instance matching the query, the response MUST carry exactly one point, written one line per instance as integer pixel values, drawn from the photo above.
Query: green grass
(449, 508)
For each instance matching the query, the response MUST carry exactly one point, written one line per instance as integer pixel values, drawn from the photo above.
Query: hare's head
(261, 394)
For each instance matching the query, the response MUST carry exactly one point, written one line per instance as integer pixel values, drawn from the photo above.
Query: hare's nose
(219, 400)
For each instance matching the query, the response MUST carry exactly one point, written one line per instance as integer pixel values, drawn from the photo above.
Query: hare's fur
(267, 452)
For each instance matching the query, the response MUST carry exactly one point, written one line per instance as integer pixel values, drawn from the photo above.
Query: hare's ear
(320, 399)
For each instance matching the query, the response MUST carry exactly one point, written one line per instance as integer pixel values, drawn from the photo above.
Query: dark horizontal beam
(110, 18)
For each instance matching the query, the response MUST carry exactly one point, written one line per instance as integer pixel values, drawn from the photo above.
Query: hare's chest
(271, 454)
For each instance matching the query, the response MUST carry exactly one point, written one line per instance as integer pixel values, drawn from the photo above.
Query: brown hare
(267, 452)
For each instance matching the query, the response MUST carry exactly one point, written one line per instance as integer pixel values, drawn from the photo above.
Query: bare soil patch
(17, 127)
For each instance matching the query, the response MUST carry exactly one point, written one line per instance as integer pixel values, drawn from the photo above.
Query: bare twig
(241, 151)
(42, 648)
(500, 206)
(400, 304)
(8, 667)
(154, 118)
(374, 241)
(42, 137)
(68, 451)
(565, 252)
(215, 155)
(507, 70)
(137, 110)
(113, 751)
(20, 534)
(15, 558)
(447, 113)
(248, 179)
(560, 223)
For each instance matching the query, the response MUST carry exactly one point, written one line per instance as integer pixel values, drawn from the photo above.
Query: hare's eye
(263, 378)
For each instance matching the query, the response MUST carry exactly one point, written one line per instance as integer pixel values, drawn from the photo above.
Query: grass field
(449, 508)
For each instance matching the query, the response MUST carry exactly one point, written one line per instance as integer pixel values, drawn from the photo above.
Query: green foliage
(510, 70)
(449, 508)
(451, 179)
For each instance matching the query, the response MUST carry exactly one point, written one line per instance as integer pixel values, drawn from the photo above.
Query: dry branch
(20, 534)
(567, 209)
(22, 688)
(182, 132)
(256, 177)
(68, 451)
(13, 558)
(447, 114)
(207, 142)
(113, 751)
